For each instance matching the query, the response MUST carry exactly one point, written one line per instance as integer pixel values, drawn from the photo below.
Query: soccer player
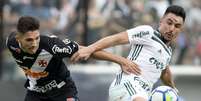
(41, 58)
(150, 50)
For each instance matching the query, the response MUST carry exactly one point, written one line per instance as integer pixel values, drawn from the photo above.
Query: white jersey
(152, 56)
(148, 51)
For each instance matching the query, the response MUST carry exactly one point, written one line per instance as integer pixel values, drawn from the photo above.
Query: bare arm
(166, 77)
(113, 40)
(126, 65)
(116, 39)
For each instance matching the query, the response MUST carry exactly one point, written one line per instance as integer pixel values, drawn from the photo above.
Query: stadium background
(86, 21)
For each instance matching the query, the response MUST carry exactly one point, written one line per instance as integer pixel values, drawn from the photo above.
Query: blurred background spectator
(86, 21)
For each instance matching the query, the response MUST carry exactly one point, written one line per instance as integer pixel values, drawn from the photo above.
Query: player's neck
(163, 39)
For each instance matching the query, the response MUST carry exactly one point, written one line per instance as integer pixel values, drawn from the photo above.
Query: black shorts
(63, 94)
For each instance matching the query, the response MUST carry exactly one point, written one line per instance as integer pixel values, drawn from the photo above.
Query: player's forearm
(120, 38)
(103, 55)
(168, 81)
(166, 78)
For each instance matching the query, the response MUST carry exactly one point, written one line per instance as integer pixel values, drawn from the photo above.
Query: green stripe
(136, 52)
(140, 49)
(119, 77)
(130, 93)
(164, 46)
(157, 34)
(132, 87)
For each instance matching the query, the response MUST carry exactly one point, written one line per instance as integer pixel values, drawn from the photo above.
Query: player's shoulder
(46, 38)
(145, 27)
(142, 31)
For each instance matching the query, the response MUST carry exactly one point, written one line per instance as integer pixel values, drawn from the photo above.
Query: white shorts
(128, 87)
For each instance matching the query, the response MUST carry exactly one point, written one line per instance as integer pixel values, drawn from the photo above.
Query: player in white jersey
(145, 42)
(150, 50)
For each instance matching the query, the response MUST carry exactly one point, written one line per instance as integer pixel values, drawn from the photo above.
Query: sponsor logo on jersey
(142, 83)
(141, 34)
(159, 65)
(57, 49)
(66, 41)
(47, 87)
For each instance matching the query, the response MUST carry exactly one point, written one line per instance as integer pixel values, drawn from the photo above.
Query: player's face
(29, 41)
(170, 26)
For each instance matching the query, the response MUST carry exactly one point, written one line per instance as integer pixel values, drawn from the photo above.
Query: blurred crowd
(86, 21)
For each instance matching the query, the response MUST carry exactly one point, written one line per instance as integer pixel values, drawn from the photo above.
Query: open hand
(129, 67)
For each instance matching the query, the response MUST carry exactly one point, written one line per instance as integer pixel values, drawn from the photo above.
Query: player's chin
(32, 51)
(168, 39)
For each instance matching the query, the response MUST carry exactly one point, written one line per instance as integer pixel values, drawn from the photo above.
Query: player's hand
(82, 54)
(129, 67)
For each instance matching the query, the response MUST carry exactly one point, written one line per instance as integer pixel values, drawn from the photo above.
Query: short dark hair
(27, 23)
(177, 10)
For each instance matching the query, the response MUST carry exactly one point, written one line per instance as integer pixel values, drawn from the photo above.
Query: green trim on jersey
(118, 78)
(130, 88)
(136, 52)
(164, 46)
(158, 39)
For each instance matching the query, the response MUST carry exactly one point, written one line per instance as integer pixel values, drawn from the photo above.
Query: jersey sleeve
(140, 34)
(62, 48)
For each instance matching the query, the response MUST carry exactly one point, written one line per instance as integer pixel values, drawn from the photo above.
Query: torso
(149, 52)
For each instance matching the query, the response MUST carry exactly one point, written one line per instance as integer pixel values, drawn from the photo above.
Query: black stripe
(164, 46)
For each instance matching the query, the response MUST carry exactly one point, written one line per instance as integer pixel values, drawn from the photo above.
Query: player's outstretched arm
(116, 39)
(126, 65)
(166, 78)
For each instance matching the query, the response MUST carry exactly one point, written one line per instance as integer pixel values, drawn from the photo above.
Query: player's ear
(160, 21)
(18, 35)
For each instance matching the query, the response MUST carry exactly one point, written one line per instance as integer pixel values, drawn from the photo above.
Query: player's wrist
(92, 48)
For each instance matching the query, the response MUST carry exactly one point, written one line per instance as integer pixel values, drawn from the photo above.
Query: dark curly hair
(27, 23)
